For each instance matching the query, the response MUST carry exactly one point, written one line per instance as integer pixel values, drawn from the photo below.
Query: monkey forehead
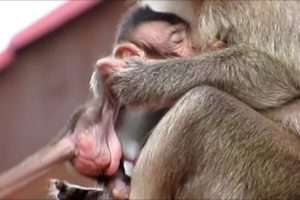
(184, 9)
(154, 34)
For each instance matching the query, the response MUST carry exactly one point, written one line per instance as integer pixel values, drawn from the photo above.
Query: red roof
(47, 24)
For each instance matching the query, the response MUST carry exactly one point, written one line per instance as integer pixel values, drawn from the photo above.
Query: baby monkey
(155, 35)
(149, 35)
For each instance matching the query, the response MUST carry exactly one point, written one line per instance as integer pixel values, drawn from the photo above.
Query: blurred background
(47, 53)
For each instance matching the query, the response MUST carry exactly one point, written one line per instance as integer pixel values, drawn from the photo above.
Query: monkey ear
(126, 50)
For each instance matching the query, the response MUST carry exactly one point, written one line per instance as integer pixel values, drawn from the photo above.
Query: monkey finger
(109, 65)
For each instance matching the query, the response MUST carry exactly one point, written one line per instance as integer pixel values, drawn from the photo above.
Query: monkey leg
(90, 143)
(212, 146)
(36, 164)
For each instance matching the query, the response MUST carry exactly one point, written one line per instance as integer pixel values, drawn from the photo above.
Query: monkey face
(161, 39)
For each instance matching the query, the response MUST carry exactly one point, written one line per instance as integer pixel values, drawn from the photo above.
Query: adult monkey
(237, 151)
(252, 137)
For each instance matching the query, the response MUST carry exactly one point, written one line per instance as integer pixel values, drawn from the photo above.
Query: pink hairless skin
(98, 149)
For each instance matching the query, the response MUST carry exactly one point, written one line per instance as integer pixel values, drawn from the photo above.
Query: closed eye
(177, 36)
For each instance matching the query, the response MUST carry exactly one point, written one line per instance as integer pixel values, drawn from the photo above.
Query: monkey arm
(253, 76)
(286, 117)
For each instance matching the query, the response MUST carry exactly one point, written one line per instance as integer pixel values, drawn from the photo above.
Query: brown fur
(210, 144)
(214, 144)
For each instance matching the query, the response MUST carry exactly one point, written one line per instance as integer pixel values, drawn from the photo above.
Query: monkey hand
(105, 67)
(129, 84)
(109, 65)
